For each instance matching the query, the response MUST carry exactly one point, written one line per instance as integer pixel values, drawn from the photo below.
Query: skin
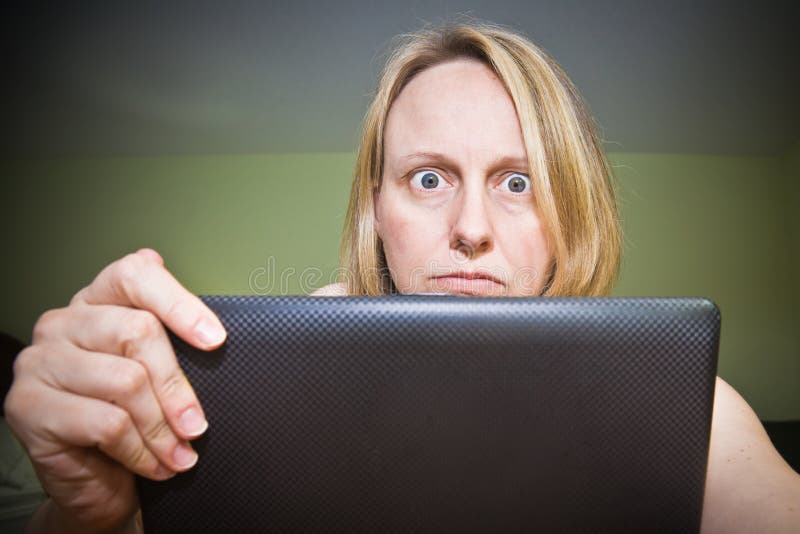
(99, 394)
(474, 232)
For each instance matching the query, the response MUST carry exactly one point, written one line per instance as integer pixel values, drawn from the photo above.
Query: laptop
(425, 413)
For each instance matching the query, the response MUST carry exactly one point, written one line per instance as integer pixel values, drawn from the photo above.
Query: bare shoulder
(331, 290)
(749, 487)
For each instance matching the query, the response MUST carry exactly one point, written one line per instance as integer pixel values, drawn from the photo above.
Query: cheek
(526, 248)
(397, 231)
(410, 236)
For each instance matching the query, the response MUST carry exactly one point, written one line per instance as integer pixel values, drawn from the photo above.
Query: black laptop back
(448, 414)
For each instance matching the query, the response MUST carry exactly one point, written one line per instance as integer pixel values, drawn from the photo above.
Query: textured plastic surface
(448, 414)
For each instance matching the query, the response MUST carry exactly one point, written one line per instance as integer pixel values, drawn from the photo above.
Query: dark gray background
(157, 78)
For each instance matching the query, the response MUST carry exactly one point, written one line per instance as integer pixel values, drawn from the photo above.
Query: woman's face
(455, 210)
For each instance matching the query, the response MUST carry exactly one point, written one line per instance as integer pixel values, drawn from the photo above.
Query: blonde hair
(571, 177)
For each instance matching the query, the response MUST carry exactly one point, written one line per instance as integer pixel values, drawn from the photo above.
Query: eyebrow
(502, 161)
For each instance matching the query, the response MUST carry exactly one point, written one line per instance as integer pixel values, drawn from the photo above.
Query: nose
(471, 231)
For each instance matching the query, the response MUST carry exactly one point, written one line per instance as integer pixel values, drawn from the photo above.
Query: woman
(479, 173)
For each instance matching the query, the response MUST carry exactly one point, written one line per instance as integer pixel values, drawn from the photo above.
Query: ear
(376, 220)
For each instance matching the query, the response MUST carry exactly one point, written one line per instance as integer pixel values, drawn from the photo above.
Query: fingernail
(184, 456)
(162, 473)
(192, 422)
(209, 332)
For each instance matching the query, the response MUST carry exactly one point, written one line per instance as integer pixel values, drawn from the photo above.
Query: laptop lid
(441, 414)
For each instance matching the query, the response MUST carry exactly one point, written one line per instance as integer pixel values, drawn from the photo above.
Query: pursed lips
(470, 283)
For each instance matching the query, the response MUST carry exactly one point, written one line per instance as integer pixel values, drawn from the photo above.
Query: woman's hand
(99, 394)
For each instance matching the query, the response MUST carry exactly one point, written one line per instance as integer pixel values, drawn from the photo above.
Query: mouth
(469, 283)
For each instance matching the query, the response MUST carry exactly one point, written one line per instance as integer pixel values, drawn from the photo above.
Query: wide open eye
(517, 183)
(428, 180)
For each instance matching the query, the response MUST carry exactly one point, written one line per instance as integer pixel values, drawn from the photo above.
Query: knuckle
(17, 402)
(26, 361)
(25, 390)
(115, 425)
(10, 405)
(22, 399)
(130, 378)
(140, 324)
(47, 323)
(78, 298)
(127, 273)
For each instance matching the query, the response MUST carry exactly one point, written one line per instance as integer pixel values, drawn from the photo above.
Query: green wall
(719, 227)
(723, 227)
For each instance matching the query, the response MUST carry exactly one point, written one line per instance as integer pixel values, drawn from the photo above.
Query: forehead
(459, 108)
